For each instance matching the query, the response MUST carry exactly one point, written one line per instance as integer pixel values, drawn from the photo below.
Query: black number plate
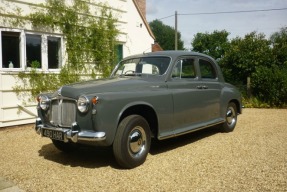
(57, 135)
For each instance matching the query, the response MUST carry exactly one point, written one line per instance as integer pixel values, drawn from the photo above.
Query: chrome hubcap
(137, 141)
(230, 116)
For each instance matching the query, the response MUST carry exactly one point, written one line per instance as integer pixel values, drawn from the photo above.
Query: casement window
(54, 52)
(10, 49)
(19, 49)
(33, 49)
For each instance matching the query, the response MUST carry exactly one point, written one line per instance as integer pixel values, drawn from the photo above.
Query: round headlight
(83, 104)
(44, 102)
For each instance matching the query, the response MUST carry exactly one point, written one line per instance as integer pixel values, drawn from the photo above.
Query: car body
(153, 95)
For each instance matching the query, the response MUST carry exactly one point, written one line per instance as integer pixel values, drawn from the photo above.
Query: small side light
(95, 100)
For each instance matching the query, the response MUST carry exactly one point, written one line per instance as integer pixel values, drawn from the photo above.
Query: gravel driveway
(252, 158)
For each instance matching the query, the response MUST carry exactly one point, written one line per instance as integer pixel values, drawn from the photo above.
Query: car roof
(175, 54)
(171, 53)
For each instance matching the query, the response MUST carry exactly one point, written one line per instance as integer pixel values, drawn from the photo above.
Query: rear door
(211, 90)
(189, 98)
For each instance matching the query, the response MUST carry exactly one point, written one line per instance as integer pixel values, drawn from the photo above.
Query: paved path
(8, 186)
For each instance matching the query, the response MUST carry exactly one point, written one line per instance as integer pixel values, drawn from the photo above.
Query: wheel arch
(147, 112)
(238, 105)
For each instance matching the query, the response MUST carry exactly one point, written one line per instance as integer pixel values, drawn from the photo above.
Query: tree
(269, 83)
(243, 57)
(253, 63)
(213, 44)
(279, 44)
(165, 35)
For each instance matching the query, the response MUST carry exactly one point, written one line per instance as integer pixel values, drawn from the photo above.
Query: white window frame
(42, 54)
(22, 50)
(61, 54)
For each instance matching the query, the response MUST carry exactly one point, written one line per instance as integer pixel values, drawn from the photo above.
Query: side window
(207, 70)
(184, 69)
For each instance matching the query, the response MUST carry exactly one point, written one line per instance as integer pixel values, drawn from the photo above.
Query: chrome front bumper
(74, 134)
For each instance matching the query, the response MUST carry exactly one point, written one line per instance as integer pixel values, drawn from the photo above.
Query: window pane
(33, 49)
(207, 70)
(188, 70)
(176, 72)
(10, 49)
(54, 52)
(184, 69)
(144, 65)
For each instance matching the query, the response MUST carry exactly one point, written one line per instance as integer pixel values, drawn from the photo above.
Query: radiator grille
(63, 112)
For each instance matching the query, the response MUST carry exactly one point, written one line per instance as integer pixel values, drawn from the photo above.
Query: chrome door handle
(202, 87)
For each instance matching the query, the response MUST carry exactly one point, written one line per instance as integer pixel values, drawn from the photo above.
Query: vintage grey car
(153, 95)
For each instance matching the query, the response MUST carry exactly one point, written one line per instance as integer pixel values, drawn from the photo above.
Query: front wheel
(230, 118)
(132, 141)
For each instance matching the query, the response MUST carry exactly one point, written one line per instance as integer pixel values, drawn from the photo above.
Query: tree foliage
(279, 44)
(165, 35)
(213, 44)
(244, 55)
(262, 60)
(270, 85)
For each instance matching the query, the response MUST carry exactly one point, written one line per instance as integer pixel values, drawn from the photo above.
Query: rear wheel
(230, 118)
(132, 141)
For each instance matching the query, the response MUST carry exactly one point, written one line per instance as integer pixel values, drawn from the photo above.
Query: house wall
(137, 32)
(135, 36)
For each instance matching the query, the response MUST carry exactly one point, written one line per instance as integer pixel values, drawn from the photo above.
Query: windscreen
(142, 65)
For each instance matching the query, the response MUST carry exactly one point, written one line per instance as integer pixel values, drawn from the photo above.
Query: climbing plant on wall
(90, 40)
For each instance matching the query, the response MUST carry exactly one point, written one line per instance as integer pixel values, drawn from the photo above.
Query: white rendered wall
(134, 36)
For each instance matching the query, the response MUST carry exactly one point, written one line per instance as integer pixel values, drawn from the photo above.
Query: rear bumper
(74, 134)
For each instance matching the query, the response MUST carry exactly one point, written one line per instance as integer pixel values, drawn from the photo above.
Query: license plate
(57, 135)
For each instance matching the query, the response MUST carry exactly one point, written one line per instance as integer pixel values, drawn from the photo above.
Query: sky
(237, 24)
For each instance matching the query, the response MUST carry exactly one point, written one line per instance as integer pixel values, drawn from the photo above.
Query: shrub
(270, 85)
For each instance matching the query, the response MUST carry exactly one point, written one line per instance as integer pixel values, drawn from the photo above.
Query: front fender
(112, 107)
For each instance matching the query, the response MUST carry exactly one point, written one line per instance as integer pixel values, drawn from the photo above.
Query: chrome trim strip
(190, 131)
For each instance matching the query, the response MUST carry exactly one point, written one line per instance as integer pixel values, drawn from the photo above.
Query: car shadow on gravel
(158, 147)
(96, 157)
(87, 157)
